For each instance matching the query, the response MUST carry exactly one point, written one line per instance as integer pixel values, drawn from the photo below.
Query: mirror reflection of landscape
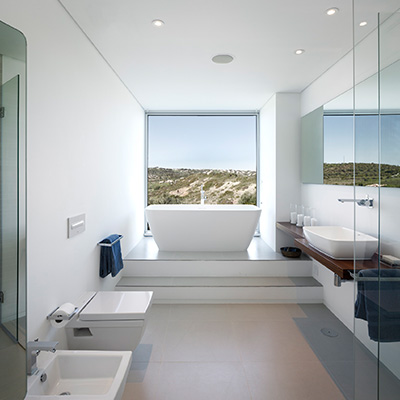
(341, 164)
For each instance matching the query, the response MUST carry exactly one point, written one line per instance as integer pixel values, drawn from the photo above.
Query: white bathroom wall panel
(339, 78)
(287, 158)
(85, 155)
(338, 299)
(335, 81)
(268, 171)
(279, 164)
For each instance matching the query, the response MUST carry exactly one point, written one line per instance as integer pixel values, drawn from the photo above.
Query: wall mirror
(328, 143)
(12, 214)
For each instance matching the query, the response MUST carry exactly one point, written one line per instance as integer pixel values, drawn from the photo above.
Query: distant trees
(182, 186)
(363, 174)
(248, 198)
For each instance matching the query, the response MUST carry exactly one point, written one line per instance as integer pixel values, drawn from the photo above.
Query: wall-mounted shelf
(340, 267)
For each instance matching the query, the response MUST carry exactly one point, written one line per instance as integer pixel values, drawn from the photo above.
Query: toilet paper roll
(63, 311)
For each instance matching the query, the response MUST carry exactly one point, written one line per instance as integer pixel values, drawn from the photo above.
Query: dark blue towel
(378, 303)
(110, 257)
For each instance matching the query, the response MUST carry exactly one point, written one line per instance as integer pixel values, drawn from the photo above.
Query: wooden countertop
(339, 267)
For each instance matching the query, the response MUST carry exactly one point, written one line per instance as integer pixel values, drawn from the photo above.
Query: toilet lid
(107, 306)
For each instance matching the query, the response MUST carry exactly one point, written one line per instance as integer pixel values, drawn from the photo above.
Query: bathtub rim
(205, 207)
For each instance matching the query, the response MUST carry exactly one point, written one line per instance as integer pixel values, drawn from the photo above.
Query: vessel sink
(79, 375)
(341, 243)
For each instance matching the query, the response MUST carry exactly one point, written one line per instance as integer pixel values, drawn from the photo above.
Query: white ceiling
(170, 68)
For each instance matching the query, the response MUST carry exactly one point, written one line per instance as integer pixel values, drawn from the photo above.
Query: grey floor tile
(317, 311)
(290, 381)
(253, 351)
(337, 348)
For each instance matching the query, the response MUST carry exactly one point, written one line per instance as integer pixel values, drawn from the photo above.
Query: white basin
(341, 243)
(99, 375)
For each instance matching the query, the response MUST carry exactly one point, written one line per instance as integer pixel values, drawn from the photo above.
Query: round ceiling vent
(222, 59)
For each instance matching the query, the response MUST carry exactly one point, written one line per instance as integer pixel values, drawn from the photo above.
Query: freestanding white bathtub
(195, 227)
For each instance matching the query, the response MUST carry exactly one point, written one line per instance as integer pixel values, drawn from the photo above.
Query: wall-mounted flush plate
(76, 225)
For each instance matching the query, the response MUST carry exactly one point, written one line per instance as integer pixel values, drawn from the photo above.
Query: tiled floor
(224, 351)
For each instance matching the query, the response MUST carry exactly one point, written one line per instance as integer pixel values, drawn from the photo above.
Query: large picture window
(187, 151)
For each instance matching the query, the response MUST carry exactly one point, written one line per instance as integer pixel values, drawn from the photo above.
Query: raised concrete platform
(258, 261)
(147, 250)
(226, 289)
(258, 275)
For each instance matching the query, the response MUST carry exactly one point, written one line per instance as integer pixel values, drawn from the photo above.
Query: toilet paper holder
(53, 316)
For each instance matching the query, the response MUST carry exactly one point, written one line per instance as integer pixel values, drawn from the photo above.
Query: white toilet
(109, 321)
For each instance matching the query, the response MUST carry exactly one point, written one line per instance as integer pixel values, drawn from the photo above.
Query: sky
(202, 142)
(338, 139)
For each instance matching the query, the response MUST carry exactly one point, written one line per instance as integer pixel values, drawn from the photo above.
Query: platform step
(145, 260)
(217, 268)
(226, 289)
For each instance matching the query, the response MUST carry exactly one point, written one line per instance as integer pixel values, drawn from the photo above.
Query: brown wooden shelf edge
(290, 229)
(335, 266)
(340, 267)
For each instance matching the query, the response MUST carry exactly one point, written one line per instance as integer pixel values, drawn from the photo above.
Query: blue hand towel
(378, 303)
(111, 257)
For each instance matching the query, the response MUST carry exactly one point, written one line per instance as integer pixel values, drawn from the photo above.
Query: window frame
(199, 114)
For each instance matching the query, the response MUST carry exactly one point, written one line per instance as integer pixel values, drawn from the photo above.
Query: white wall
(268, 171)
(85, 155)
(288, 161)
(279, 164)
(337, 80)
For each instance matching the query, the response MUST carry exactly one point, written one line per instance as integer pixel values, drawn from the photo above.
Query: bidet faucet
(32, 351)
(203, 196)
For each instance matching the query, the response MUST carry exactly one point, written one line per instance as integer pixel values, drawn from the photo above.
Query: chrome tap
(203, 196)
(32, 351)
(367, 202)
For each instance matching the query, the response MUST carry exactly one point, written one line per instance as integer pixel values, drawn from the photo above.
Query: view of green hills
(182, 186)
(366, 174)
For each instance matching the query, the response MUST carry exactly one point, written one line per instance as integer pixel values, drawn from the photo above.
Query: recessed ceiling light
(222, 59)
(299, 51)
(158, 22)
(332, 11)
(363, 23)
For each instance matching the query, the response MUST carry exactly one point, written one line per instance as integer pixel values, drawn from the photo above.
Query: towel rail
(357, 278)
(110, 244)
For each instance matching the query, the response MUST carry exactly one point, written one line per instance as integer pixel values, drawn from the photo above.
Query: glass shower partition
(13, 333)
(9, 172)
(12, 307)
(389, 217)
(377, 154)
